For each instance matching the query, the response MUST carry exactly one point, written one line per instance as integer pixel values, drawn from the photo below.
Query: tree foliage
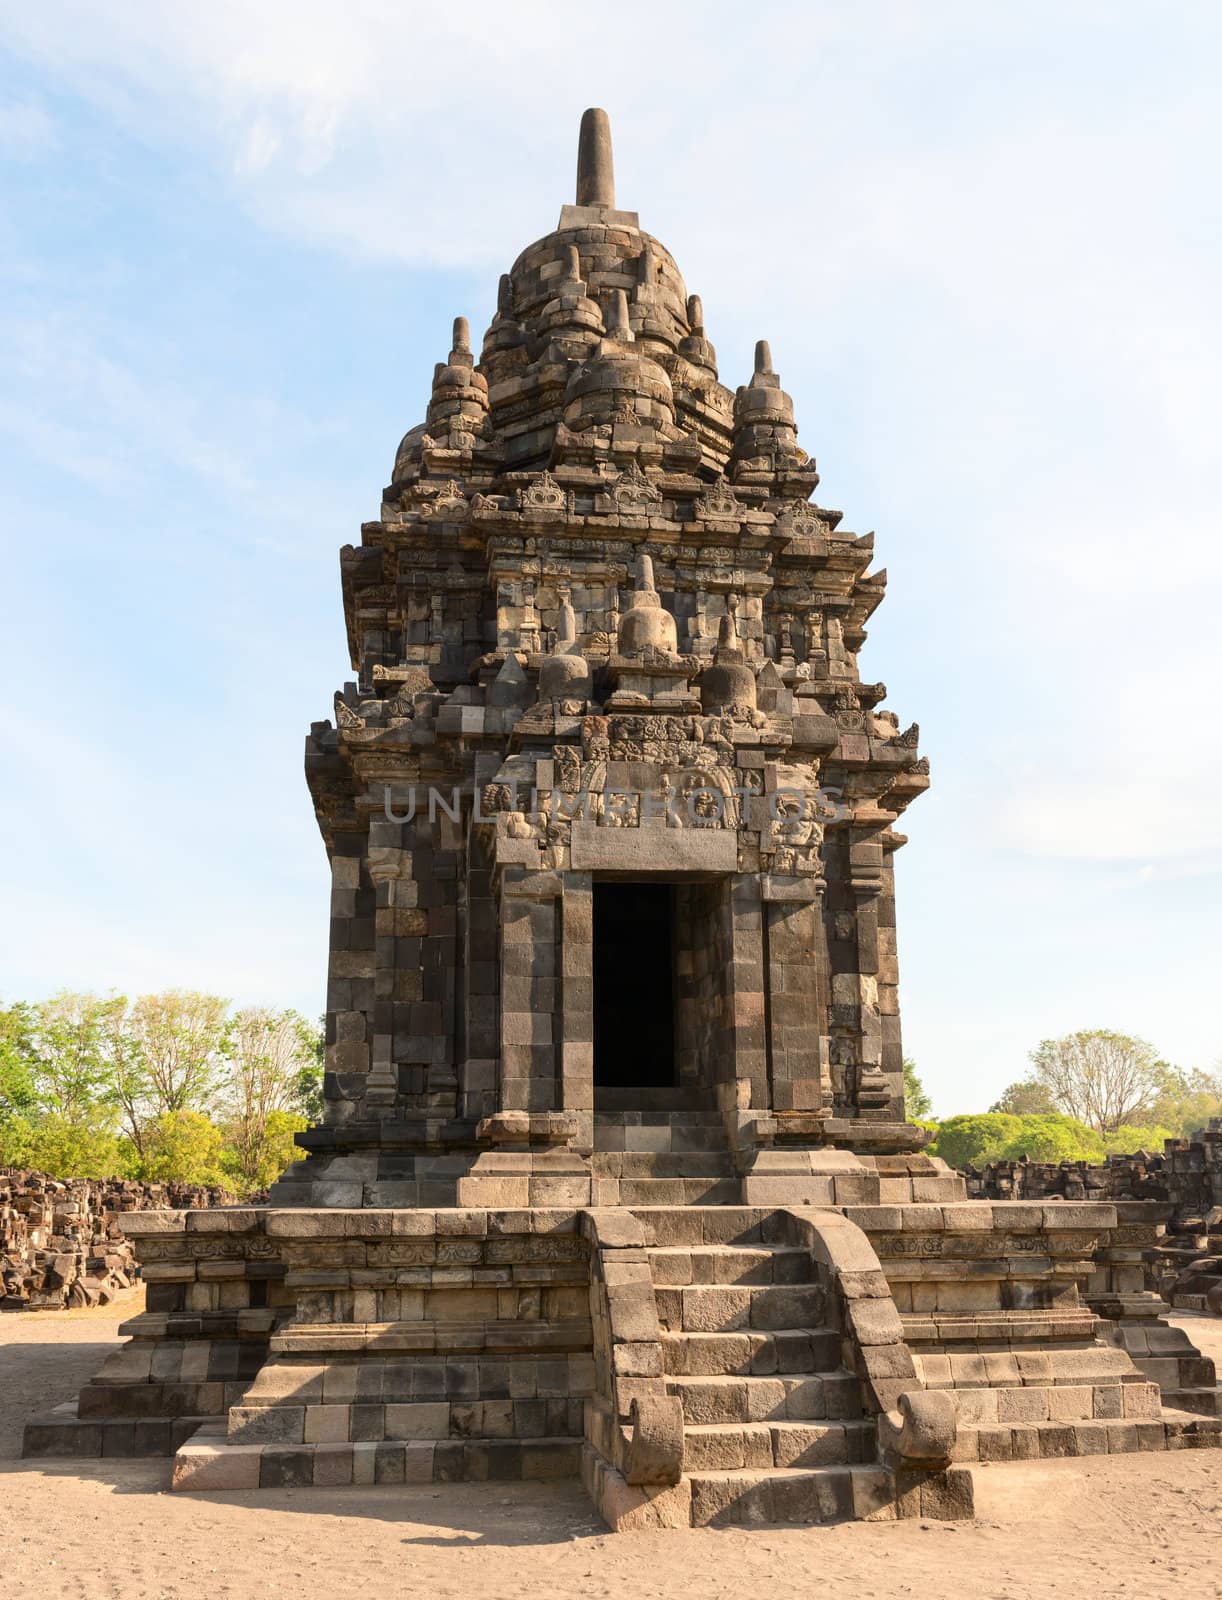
(973, 1139)
(183, 1147)
(69, 1038)
(1052, 1138)
(1099, 1077)
(1186, 1101)
(89, 1147)
(1027, 1098)
(1005, 1136)
(167, 1086)
(17, 1059)
(917, 1104)
(1170, 1104)
(268, 1053)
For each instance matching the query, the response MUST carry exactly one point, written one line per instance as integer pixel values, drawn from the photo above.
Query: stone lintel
(655, 849)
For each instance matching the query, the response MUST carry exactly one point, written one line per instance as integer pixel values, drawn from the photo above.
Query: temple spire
(595, 167)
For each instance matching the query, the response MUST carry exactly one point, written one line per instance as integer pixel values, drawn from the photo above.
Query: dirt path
(1130, 1525)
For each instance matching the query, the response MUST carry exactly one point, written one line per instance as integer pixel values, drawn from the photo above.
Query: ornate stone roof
(595, 335)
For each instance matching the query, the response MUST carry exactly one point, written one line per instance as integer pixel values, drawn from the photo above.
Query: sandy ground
(1129, 1525)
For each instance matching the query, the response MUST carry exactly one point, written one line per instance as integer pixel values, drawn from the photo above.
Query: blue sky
(985, 244)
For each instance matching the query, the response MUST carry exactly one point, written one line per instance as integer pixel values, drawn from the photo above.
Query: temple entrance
(634, 986)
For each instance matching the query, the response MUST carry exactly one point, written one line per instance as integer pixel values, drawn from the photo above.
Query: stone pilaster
(866, 882)
(745, 992)
(796, 994)
(529, 990)
(576, 1041)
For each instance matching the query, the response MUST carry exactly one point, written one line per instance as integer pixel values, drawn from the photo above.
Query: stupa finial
(595, 165)
(462, 335)
(763, 356)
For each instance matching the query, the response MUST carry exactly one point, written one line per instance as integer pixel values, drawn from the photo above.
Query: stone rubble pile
(1137, 1177)
(1186, 1178)
(61, 1239)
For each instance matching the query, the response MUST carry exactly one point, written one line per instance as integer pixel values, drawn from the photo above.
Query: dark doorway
(634, 997)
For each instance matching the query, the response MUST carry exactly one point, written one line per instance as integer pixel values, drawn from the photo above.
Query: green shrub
(183, 1147)
(66, 1148)
(975, 1138)
(1127, 1141)
(1053, 1138)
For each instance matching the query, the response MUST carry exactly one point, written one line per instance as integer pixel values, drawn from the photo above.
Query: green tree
(309, 1079)
(1099, 1077)
(183, 1147)
(917, 1104)
(70, 1034)
(1186, 1101)
(276, 1150)
(974, 1139)
(268, 1052)
(166, 1087)
(1026, 1098)
(179, 1039)
(18, 1060)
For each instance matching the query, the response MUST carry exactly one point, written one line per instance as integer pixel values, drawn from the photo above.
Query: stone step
(725, 1447)
(644, 1102)
(1032, 1441)
(207, 1461)
(661, 1164)
(810, 1397)
(723, 1309)
(1201, 1402)
(732, 1224)
(677, 1266)
(669, 1191)
(750, 1353)
(63, 1432)
(788, 1495)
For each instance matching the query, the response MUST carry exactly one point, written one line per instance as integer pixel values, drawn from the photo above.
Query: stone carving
(717, 503)
(446, 502)
(634, 492)
(848, 712)
(543, 494)
(922, 1429)
(346, 717)
(800, 520)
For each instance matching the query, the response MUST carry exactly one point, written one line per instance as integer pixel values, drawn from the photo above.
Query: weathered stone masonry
(615, 1178)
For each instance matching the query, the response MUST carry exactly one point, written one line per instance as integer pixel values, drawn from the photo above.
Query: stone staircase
(773, 1430)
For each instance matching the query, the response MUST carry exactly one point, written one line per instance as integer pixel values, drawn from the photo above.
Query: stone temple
(615, 1182)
